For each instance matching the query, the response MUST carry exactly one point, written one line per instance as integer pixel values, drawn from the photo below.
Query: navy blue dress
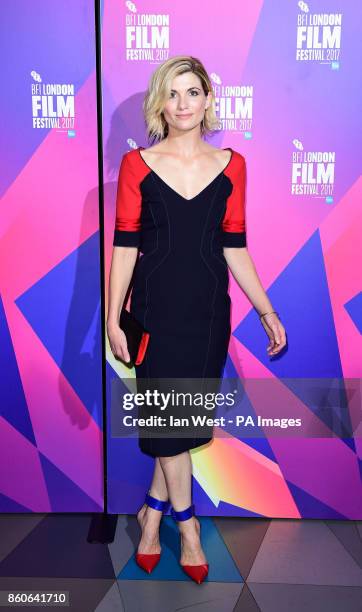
(180, 282)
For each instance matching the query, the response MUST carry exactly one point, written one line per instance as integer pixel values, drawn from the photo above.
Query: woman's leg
(158, 487)
(178, 471)
(148, 518)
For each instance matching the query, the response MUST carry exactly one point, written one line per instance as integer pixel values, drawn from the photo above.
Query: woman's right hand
(118, 342)
(275, 331)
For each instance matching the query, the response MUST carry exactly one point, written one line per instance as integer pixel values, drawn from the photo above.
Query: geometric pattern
(50, 313)
(305, 250)
(255, 565)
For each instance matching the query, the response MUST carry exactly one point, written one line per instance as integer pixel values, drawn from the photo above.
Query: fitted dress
(180, 282)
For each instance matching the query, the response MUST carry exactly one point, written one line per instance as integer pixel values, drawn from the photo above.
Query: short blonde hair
(159, 89)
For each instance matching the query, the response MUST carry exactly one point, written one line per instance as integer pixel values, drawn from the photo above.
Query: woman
(182, 202)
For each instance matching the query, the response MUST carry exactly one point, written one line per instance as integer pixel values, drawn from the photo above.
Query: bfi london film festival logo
(147, 35)
(313, 172)
(318, 36)
(52, 105)
(234, 106)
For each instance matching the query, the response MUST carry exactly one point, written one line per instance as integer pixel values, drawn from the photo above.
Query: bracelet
(266, 313)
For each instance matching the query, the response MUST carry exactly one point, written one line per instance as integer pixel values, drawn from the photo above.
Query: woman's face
(185, 108)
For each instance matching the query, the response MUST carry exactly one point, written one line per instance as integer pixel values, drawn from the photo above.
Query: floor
(255, 564)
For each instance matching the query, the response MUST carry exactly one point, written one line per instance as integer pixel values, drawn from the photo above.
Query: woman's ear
(208, 100)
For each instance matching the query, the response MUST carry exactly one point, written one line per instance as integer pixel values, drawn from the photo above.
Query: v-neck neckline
(202, 190)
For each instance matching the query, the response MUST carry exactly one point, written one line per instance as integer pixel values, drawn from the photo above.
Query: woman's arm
(243, 270)
(122, 265)
(126, 241)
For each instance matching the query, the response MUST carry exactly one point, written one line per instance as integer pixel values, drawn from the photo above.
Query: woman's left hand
(275, 331)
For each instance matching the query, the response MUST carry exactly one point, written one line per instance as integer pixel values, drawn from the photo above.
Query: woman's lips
(184, 116)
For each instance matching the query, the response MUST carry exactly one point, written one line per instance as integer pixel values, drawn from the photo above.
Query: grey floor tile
(347, 533)
(14, 528)
(306, 598)
(246, 601)
(303, 552)
(224, 603)
(112, 601)
(58, 547)
(125, 541)
(359, 527)
(243, 538)
(177, 596)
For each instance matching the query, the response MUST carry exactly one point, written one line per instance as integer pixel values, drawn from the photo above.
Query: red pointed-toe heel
(149, 561)
(198, 573)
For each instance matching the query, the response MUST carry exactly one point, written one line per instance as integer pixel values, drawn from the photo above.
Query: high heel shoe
(149, 561)
(196, 572)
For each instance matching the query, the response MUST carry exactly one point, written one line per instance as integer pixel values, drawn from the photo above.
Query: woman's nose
(182, 103)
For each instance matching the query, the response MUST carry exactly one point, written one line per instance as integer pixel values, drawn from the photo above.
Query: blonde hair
(159, 89)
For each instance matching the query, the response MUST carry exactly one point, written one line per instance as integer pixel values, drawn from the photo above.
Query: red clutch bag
(136, 335)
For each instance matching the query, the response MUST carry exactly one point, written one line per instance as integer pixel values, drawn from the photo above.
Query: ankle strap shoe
(155, 503)
(183, 515)
(198, 573)
(149, 561)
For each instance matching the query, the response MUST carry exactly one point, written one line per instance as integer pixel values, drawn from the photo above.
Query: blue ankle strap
(156, 504)
(183, 515)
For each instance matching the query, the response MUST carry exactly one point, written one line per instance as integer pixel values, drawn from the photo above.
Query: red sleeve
(233, 224)
(127, 231)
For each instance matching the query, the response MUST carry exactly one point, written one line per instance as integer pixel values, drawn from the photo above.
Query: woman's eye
(193, 91)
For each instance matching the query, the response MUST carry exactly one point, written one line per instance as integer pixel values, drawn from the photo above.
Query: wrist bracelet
(266, 313)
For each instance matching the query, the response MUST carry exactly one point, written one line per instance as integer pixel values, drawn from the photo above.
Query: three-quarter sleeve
(233, 224)
(127, 230)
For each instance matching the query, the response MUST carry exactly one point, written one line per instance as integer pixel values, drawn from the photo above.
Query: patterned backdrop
(288, 87)
(288, 90)
(50, 313)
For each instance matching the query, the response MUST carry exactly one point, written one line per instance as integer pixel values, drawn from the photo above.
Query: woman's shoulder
(133, 165)
(238, 157)
(228, 154)
(131, 155)
(132, 160)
